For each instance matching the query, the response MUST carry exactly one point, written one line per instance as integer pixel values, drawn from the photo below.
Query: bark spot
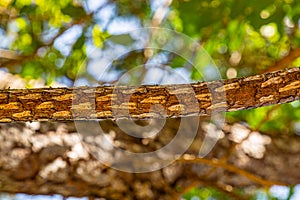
(134, 90)
(230, 86)
(176, 91)
(62, 114)
(6, 120)
(45, 105)
(253, 78)
(199, 85)
(22, 114)
(291, 86)
(266, 99)
(9, 106)
(177, 108)
(107, 97)
(271, 81)
(129, 105)
(204, 97)
(154, 100)
(107, 113)
(63, 97)
(30, 97)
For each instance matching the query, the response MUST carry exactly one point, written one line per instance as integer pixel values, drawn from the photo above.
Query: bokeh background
(63, 42)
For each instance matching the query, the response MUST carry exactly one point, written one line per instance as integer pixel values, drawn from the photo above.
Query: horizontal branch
(150, 101)
(7, 56)
(232, 168)
(53, 158)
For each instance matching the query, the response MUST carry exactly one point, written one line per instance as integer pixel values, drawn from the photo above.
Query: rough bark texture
(48, 158)
(150, 101)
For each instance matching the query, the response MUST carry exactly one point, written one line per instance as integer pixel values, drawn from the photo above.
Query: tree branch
(231, 168)
(196, 99)
(285, 61)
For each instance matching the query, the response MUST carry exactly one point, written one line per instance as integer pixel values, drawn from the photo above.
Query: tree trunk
(51, 158)
(197, 99)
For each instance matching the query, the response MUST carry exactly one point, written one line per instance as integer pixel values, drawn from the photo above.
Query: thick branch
(53, 159)
(141, 102)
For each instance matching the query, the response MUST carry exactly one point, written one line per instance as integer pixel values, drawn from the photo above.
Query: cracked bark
(197, 99)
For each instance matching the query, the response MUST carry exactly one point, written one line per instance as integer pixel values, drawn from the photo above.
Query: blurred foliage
(54, 37)
(210, 193)
(260, 32)
(205, 194)
(249, 36)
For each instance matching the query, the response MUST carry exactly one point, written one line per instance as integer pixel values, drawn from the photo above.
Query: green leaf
(177, 62)
(80, 42)
(76, 12)
(21, 22)
(98, 36)
(122, 39)
(32, 69)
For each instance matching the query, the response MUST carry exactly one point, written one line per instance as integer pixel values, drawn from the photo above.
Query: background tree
(54, 41)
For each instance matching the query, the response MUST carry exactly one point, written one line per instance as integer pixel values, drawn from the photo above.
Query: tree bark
(51, 158)
(149, 101)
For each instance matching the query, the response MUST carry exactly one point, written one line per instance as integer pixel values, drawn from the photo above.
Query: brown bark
(44, 158)
(7, 56)
(141, 102)
(286, 61)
